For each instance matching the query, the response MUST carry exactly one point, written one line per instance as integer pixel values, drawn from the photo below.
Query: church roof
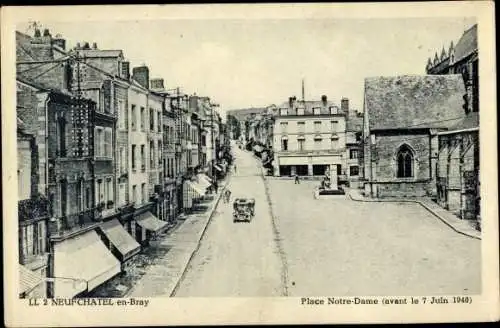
(467, 44)
(411, 101)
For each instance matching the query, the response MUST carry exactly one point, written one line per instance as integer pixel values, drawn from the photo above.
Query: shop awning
(258, 148)
(203, 182)
(82, 261)
(150, 222)
(121, 239)
(196, 188)
(28, 279)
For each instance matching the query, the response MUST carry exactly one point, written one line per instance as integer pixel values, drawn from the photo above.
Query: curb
(198, 243)
(276, 233)
(421, 204)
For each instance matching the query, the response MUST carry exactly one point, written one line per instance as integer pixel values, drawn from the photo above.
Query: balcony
(33, 208)
(73, 224)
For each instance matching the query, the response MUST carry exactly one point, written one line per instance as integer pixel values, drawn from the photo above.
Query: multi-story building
(309, 138)
(354, 146)
(65, 139)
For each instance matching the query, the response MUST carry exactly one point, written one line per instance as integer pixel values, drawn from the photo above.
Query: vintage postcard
(249, 164)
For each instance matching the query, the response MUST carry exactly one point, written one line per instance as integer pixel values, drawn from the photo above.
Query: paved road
(237, 259)
(334, 247)
(341, 247)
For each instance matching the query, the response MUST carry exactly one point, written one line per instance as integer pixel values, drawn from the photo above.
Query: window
(284, 111)
(121, 115)
(87, 197)
(301, 126)
(158, 121)
(108, 142)
(62, 137)
(40, 237)
(134, 193)
(109, 190)
(300, 144)
(317, 144)
(300, 111)
(98, 142)
(334, 143)
(64, 197)
(142, 119)
(316, 110)
(151, 119)
(339, 169)
(160, 151)
(353, 170)
(353, 153)
(317, 126)
(335, 125)
(283, 126)
(284, 144)
(122, 160)
(152, 154)
(404, 162)
(134, 117)
(29, 246)
(100, 191)
(143, 158)
(143, 193)
(133, 156)
(334, 110)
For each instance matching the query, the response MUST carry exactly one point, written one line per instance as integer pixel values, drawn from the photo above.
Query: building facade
(309, 138)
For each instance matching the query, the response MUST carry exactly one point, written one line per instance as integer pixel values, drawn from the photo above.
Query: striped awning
(196, 188)
(28, 279)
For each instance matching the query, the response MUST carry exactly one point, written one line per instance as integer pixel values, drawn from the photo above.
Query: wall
(386, 149)
(24, 165)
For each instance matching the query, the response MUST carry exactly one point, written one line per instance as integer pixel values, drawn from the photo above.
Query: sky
(258, 62)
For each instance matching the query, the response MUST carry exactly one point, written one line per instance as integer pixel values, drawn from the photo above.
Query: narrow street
(237, 259)
(332, 247)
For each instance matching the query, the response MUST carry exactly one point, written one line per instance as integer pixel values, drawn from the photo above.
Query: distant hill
(241, 114)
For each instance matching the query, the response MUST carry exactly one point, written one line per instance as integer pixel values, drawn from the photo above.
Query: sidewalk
(461, 226)
(163, 277)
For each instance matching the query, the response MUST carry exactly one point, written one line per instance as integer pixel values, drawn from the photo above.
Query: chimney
(46, 32)
(60, 42)
(37, 33)
(125, 73)
(344, 105)
(141, 75)
(157, 84)
(290, 102)
(78, 46)
(94, 45)
(86, 45)
(324, 99)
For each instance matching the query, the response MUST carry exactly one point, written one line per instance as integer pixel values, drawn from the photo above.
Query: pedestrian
(234, 168)
(297, 180)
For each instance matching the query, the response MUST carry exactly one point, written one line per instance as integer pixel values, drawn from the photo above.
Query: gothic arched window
(404, 160)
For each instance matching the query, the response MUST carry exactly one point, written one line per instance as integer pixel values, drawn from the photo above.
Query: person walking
(234, 168)
(297, 180)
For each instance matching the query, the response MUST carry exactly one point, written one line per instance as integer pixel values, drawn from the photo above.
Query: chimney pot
(94, 45)
(37, 33)
(324, 98)
(86, 45)
(344, 105)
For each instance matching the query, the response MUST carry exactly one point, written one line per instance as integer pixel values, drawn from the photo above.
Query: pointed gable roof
(408, 101)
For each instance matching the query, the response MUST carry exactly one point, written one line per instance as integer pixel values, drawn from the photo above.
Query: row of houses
(108, 158)
(418, 135)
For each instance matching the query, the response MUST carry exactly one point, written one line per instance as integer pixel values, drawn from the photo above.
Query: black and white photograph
(181, 153)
